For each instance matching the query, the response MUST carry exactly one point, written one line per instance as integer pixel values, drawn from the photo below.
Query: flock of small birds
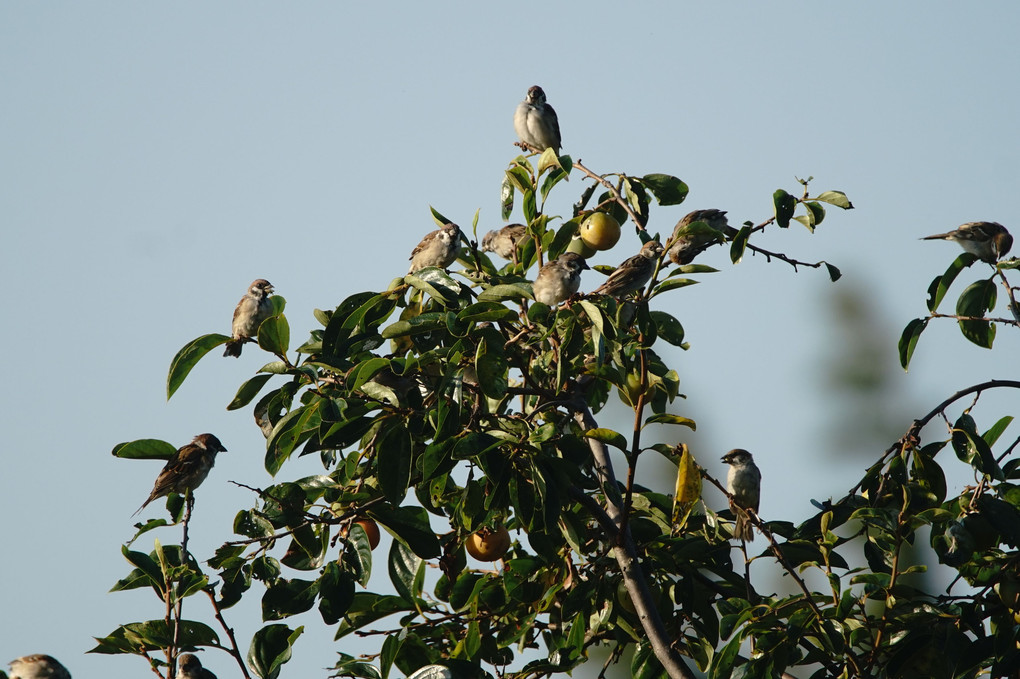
(538, 128)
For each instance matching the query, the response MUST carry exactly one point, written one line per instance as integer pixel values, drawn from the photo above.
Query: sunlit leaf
(144, 449)
(190, 354)
(688, 489)
(837, 198)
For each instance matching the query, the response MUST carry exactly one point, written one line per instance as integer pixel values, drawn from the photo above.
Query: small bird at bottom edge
(38, 666)
(190, 667)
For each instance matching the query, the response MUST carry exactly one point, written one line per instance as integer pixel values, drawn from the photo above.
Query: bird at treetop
(559, 279)
(744, 483)
(190, 667)
(38, 667)
(187, 468)
(988, 241)
(536, 123)
(635, 271)
(505, 241)
(249, 313)
(438, 248)
(688, 243)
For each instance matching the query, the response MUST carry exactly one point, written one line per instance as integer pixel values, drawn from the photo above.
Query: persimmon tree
(450, 408)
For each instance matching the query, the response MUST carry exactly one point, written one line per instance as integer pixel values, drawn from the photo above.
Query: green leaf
(784, 204)
(739, 244)
(271, 647)
(154, 635)
(435, 282)
(291, 430)
(144, 449)
(993, 434)
(837, 198)
(491, 369)
(667, 189)
(666, 418)
(673, 284)
(409, 525)
(483, 312)
(528, 205)
(519, 178)
(608, 436)
(407, 571)
(438, 218)
(274, 335)
(393, 461)
(336, 592)
(506, 197)
(504, 291)
(551, 180)
(940, 285)
(427, 322)
(249, 390)
(285, 598)
(548, 159)
(190, 354)
(908, 340)
(978, 298)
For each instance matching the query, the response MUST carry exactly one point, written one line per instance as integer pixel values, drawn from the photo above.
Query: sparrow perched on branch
(190, 667)
(559, 279)
(438, 248)
(536, 123)
(249, 313)
(988, 241)
(744, 483)
(635, 271)
(38, 667)
(187, 469)
(505, 241)
(688, 243)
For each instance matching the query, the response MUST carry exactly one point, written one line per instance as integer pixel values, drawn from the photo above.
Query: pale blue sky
(157, 157)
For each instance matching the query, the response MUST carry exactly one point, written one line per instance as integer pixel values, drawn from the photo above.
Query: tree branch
(626, 557)
(616, 194)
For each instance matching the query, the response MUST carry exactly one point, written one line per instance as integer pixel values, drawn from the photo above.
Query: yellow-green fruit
(488, 545)
(579, 247)
(600, 231)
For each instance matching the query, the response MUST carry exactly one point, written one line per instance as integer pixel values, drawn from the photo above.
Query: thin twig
(235, 651)
(616, 194)
(625, 553)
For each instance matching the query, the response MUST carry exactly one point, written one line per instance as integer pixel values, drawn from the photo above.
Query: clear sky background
(157, 157)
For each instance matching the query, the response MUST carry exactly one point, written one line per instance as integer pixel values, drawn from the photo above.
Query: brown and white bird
(505, 241)
(988, 241)
(438, 248)
(187, 469)
(688, 242)
(559, 279)
(744, 483)
(38, 667)
(249, 313)
(632, 275)
(190, 667)
(536, 123)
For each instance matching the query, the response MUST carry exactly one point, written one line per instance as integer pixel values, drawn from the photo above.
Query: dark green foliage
(452, 404)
